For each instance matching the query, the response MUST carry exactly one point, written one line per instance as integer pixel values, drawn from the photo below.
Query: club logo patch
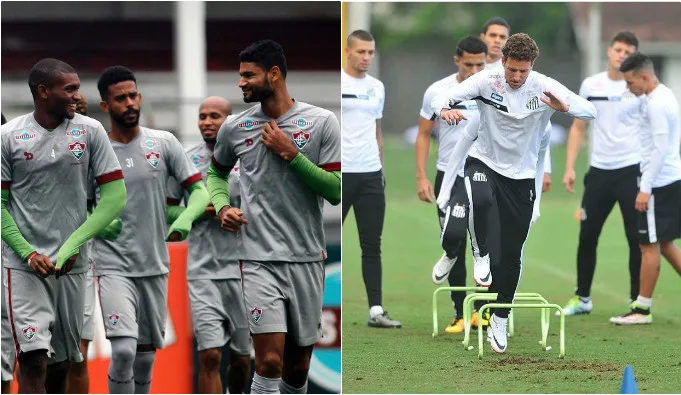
(25, 136)
(497, 97)
(153, 158)
(113, 319)
(77, 149)
(29, 332)
(249, 124)
(256, 313)
(77, 133)
(301, 138)
(302, 123)
(150, 144)
(533, 103)
(197, 160)
(499, 87)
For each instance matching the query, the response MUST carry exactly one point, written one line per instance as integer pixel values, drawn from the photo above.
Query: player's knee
(210, 359)
(123, 351)
(33, 363)
(270, 365)
(240, 364)
(454, 236)
(79, 369)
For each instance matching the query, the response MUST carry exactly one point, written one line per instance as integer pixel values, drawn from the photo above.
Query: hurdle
(444, 289)
(561, 353)
(520, 296)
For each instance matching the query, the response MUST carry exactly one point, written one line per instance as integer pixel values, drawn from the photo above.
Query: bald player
(216, 298)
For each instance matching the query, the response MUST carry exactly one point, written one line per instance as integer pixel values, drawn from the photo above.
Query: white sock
(375, 310)
(264, 385)
(499, 320)
(645, 302)
(585, 299)
(286, 388)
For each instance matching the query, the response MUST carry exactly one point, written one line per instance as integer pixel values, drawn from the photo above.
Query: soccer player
(614, 170)
(289, 154)
(658, 201)
(363, 97)
(494, 33)
(132, 272)
(217, 302)
(469, 59)
(8, 349)
(504, 168)
(46, 158)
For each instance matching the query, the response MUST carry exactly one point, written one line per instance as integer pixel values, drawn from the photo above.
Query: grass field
(409, 360)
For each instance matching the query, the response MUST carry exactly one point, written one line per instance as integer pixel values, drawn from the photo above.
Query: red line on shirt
(333, 166)
(172, 202)
(189, 181)
(6, 184)
(108, 177)
(218, 165)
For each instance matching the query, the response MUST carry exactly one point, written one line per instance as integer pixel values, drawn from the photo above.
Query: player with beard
(132, 272)
(289, 154)
(217, 303)
(47, 156)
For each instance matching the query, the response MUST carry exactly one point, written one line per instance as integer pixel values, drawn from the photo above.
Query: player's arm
(547, 163)
(10, 231)
(196, 204)
(574, 143)
(467, 90)
(455, 162)
(562, 99)
(379, 141)
(539, 177)
(659, 128)
(424, 188)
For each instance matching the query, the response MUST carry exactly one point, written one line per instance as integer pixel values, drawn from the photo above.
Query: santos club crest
(29, 331)
(77, 149)
(256, 313)
(301, 138)
(153, 158)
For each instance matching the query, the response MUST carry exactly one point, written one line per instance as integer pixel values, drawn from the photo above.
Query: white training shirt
(362, 104)
(614, 144)
(448, 134)
(495, 65)
(660, 140)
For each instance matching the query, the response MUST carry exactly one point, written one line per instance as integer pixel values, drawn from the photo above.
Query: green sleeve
(196, 205)
(218, 187)
(324, 183)
(10, 232)
(111, 204)
(173, 213)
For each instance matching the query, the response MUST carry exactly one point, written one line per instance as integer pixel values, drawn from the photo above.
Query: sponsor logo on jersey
(458, 211)
(497, 97)
(153, 158)
(302, 123)
(614, 98)
(29, 332)
(301, 138)
(250, 124)
(77, 149)
(256, 313)
(197, 160)
(113, 319)
(25, 136)
(28, 155)
(248, 142)
(480, 177)
(77, 133)
(150, 144)
(533, 104)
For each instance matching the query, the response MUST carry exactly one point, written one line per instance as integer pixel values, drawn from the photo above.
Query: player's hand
(547, 183)
(68, 265)
(209, 212)
(425, 190)
(642, 200)
(112, 230)
(174, 236)
(42, 265)
(554, 102)
(179, 230)
(278, 141)
(569, 178)
(231, 218)
(452, 117)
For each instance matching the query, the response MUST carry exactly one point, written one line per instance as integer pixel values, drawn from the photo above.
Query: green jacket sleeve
(324, 183)
(10, 232)
(111, 204)
(173, 213)
(196, 205)
(218, 187)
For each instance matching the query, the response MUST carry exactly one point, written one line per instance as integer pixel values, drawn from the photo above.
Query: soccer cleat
(485, 320)
(456, 326)
(575, 306)
(383, 321)
(442, 268)
(638, 315)
(481, 271)
(496, 334)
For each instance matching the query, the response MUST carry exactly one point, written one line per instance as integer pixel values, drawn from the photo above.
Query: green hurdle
(520, 296)
(443, 289)
(542, 306)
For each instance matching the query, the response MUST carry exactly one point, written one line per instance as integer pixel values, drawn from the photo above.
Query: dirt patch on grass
(540, 364)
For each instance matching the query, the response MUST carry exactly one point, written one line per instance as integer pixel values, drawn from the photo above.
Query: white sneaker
(575, 306)
(638, 315)
(481, 271)
(442, 268)
(497, 334)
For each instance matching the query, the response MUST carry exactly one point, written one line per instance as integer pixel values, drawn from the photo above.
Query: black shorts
(662, 221)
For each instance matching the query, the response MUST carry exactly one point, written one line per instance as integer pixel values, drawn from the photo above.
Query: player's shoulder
(306, 109)
(156, 133)
(151, 138)
(442, 84)
(196, 149)
(16, 124)
(374, 81)
(83, 120)
(596, 80)
(664, 97)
